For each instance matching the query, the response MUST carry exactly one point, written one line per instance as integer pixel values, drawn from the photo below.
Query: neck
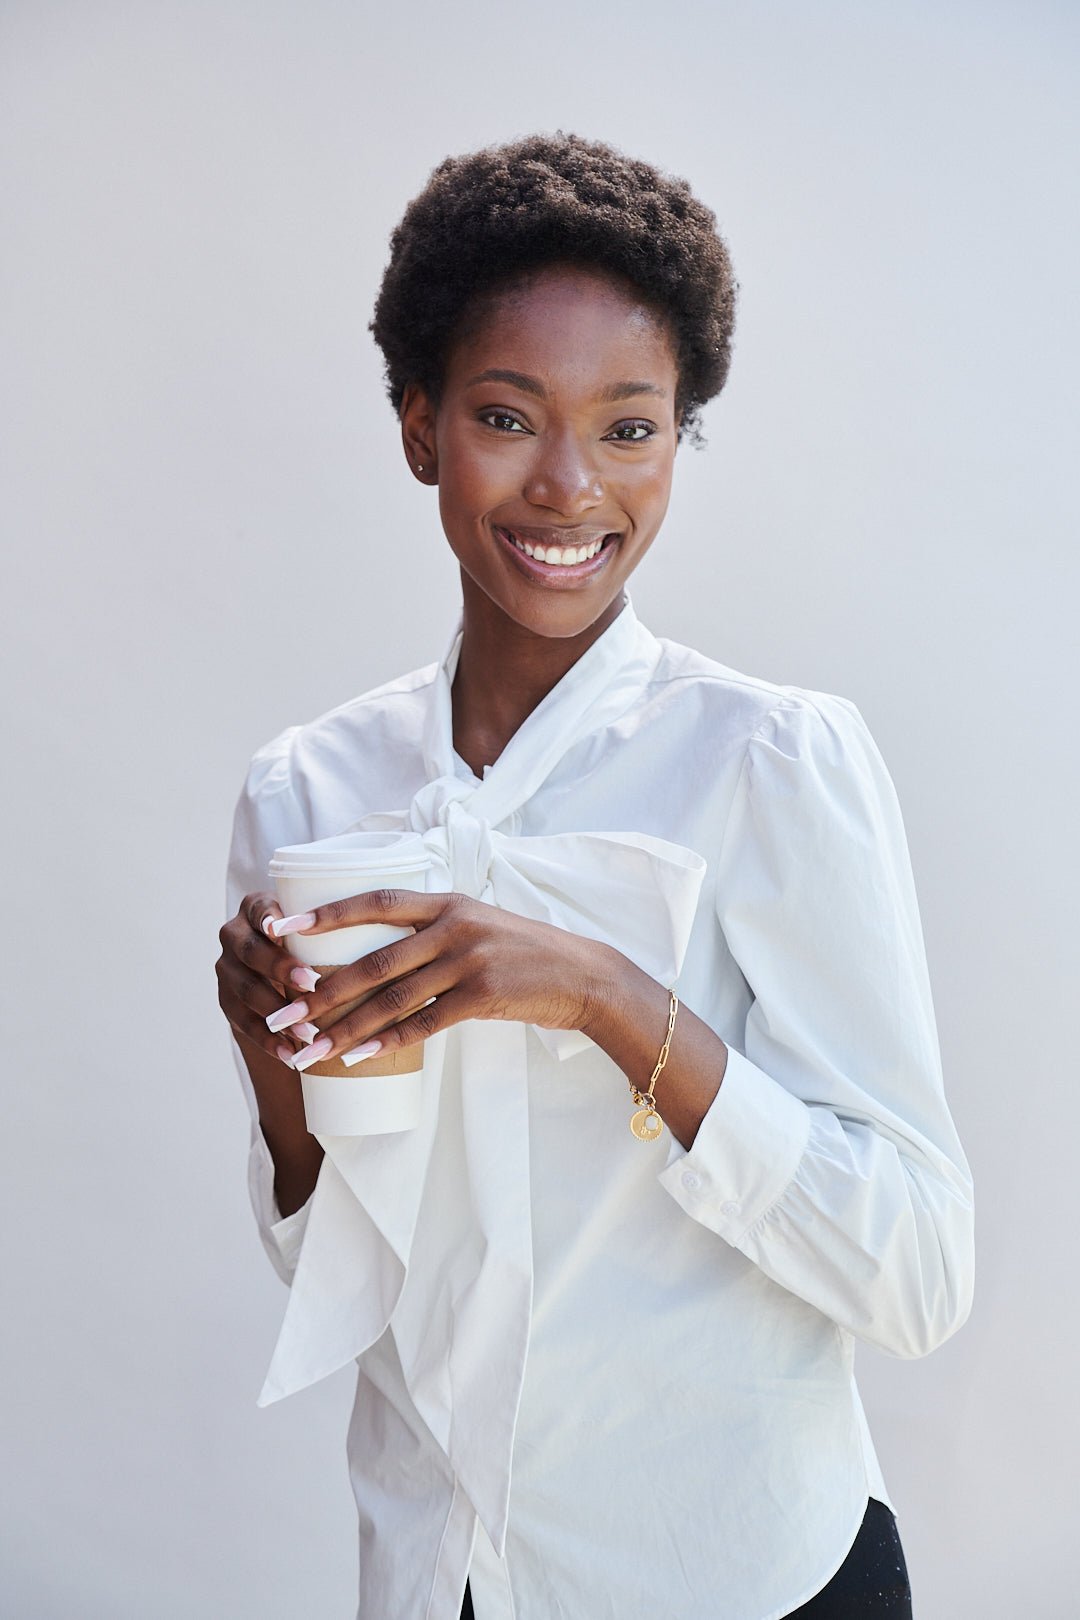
(505, 671)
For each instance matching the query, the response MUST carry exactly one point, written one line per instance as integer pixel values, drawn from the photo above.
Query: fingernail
(268, 926)
(286, 1016)
(285, 1053)
(291, 925)
(359, 1053)
(305, 978)
(311, 1054)
(306, 1032)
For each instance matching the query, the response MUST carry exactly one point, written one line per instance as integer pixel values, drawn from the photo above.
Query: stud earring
(419, 466)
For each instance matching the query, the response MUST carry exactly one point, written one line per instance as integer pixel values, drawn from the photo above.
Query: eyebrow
(532, 385)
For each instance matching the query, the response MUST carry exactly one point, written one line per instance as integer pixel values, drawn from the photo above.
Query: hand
(258, 977)
(474, 959)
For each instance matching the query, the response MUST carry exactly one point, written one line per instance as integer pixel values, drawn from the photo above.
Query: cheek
(475, 475)
(649, 480)
(468, 491)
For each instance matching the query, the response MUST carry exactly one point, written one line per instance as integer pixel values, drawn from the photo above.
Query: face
(555, 434)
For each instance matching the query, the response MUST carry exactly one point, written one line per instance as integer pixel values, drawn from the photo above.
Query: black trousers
(871, 1581)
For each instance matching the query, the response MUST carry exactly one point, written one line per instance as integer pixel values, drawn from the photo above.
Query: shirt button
(691, 1181)
(730, 1208)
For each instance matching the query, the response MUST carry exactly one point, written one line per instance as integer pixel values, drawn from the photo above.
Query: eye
(632, 432)
(502, 421)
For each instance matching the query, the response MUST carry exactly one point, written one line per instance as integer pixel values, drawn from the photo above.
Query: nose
(563, 476)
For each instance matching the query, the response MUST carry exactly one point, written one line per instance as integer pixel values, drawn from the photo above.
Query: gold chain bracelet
(646, 1124)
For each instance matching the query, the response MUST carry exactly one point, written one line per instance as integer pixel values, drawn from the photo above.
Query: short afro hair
(489, 217)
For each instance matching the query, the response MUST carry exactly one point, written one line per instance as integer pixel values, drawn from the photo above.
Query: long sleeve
(267, 815)
(829, 1157)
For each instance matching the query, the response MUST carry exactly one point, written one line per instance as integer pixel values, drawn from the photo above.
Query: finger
(261, 910)
(401, 908)
(243, 940)
(246, 1022)
(239, 987)
(278, 967)
(404, 998)
(340, 990)
(266, 1003)
(453, 1007)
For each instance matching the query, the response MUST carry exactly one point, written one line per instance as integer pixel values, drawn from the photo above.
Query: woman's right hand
(257, 976)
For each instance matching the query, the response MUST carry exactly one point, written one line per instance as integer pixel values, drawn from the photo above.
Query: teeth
(564, 556)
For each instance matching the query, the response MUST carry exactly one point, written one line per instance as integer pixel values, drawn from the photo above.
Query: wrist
(612, 987)
(628, 1018)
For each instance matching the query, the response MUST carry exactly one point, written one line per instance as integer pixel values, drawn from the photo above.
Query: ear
(418, 433)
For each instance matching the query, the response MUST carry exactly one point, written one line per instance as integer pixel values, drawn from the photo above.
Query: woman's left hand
(477, 960)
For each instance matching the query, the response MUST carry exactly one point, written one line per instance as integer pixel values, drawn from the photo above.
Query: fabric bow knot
(459, 843)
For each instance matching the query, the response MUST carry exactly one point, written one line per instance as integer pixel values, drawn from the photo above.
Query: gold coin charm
(646, 1124)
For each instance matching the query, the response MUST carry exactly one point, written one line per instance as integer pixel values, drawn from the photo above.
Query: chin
(557, 616)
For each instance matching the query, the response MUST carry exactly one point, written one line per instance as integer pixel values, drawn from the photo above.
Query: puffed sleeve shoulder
(268, 813)
(829, 1156)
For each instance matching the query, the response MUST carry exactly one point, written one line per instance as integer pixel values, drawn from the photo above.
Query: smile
(564, 556)
(551, 561)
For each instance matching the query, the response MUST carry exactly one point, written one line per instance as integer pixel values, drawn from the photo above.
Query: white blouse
(602, 1377)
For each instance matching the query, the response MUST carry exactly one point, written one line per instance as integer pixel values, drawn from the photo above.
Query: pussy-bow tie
(428, 1231)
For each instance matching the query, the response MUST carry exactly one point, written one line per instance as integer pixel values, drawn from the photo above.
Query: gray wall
(214, 535)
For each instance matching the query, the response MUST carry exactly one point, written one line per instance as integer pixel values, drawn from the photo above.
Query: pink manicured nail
(292, 925)
(305, 978)
(359, 1053)
(268, 926)
(285, 1017)
(311, 1054)
(285, 1053)
(306, 1032)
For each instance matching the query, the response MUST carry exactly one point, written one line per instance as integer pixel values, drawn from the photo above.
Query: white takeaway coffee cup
(383, 1092)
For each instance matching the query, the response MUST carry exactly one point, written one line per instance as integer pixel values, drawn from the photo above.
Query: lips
(601, 542)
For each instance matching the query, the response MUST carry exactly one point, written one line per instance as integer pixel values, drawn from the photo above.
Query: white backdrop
(213, 535)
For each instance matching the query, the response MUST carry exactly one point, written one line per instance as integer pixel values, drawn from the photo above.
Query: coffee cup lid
(351, 852)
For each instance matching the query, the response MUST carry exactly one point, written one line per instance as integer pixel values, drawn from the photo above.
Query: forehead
(563, 321)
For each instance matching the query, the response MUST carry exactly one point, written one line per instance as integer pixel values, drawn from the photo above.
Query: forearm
(296, 1154)
(629, 1021)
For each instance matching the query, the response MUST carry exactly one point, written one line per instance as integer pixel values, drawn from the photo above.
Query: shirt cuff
(288, 1231)
(745, 1154)
(282, 1235)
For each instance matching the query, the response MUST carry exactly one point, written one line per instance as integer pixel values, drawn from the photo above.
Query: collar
(600, 686)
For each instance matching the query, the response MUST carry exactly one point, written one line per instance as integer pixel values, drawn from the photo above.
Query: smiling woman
(551, 489)
(600, 1371)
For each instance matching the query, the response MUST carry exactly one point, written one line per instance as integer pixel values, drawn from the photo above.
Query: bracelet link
(646, 1124)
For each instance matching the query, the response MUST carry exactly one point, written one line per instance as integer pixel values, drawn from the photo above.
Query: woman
(602, 1372)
